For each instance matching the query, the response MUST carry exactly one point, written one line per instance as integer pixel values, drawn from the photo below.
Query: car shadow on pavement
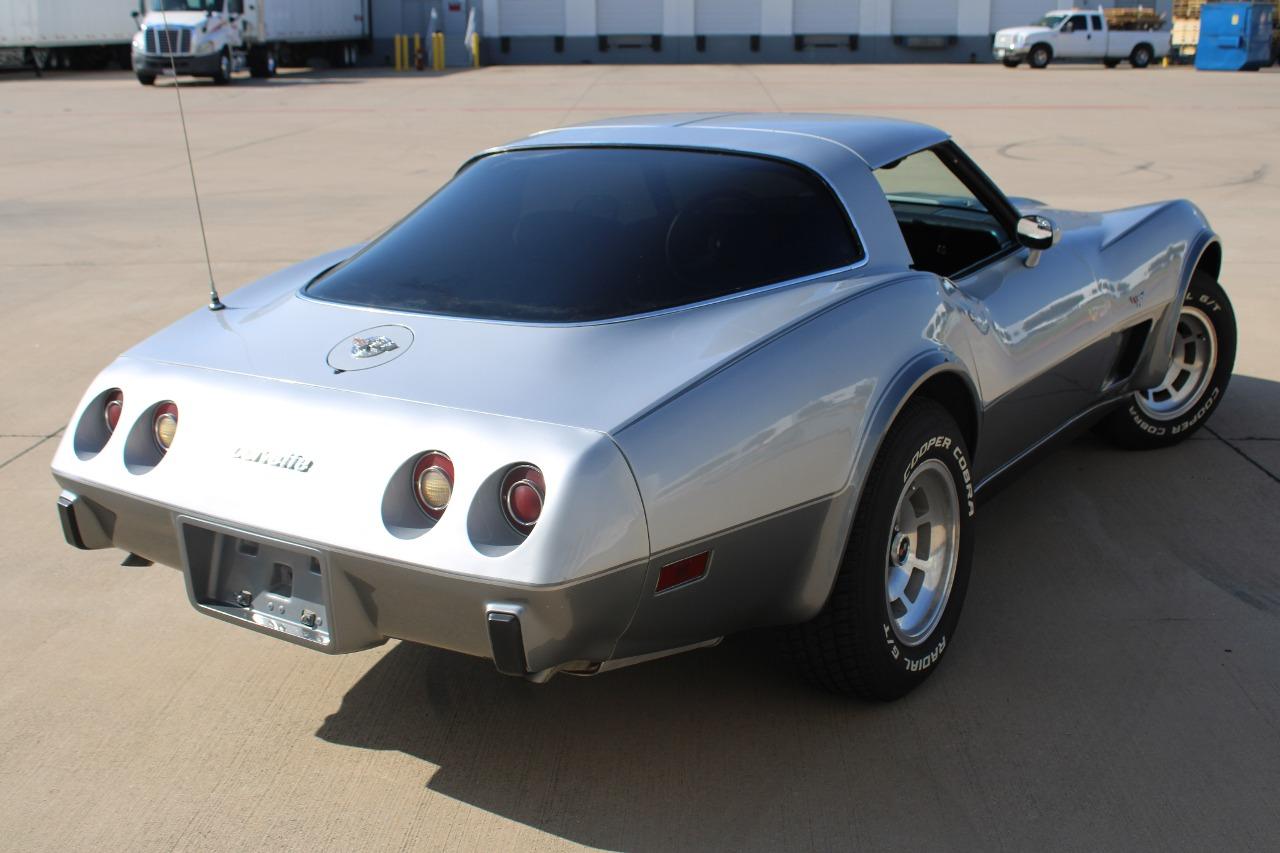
(615, 761)
(726, 748)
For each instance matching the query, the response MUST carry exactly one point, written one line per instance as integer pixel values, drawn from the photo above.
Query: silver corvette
(618, 390)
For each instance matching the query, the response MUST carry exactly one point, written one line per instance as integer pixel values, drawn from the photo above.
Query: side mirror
(1037, 233)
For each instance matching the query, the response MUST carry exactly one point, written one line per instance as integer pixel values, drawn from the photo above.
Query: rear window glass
(579, 234)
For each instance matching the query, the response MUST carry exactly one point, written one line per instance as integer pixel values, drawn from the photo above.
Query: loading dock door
(825, 17)
(629, 17)
(1018, 13)
(925, 17)
(531, 17)
(726, 17)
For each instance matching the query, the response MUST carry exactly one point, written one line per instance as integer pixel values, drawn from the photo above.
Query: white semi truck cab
(1084, 34)
(216, 38)
(203, 38)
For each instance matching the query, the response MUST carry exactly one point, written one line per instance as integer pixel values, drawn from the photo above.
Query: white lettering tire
(892, 611)
(1196, 381)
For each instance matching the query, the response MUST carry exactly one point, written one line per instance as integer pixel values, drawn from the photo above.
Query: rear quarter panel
(762, 461)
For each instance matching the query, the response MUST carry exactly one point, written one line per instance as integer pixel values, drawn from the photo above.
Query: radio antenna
(215, 304)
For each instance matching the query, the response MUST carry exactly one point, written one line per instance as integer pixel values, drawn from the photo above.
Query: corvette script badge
(288, 461)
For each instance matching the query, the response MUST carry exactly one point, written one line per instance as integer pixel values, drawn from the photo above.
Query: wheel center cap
(902, 550)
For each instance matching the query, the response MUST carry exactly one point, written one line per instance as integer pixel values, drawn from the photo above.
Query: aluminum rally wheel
(1201, 357)
(896, 599)
(923, 552)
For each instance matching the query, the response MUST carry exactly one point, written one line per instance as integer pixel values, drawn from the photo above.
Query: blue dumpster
(1234, 36)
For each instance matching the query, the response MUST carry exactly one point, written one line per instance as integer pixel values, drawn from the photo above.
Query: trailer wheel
(1141, 56)
(1040, 56)
(223, 75)
(146, 79)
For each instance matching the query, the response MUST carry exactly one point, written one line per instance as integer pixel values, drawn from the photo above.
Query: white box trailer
(216, 38)
(67, 33)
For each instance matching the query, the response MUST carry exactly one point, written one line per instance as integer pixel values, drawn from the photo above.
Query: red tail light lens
(164, 425)
(433, 483)
(523, 492)
(112, 408)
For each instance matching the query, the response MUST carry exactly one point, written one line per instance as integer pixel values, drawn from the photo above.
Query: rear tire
(897, 597)
(1040, 56)
(146, 79)
(1141, 56)
(1193, 387)
(262, 63)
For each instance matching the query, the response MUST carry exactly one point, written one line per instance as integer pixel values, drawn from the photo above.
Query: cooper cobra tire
(893, 608)
(1040, 56)
(1196, 382)
(1141, 56)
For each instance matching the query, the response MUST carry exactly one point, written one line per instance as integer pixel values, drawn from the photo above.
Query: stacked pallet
(1133, 18)
(1187, 9)
(1186, 34)
(1191, 8)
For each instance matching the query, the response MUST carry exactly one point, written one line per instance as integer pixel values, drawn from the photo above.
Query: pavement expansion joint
(1255, 463)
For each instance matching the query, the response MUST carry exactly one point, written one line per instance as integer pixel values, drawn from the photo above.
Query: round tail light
(433, 483)
(111, 409)
(164, 425)
(523, 493)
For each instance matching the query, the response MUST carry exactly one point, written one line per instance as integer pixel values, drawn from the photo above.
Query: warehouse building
(669, 31)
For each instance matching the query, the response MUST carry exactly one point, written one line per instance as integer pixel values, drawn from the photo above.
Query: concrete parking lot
(1115, 684)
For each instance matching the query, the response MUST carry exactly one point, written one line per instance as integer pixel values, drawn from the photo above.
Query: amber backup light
(683, 571)
(433, 483)
(164, 425)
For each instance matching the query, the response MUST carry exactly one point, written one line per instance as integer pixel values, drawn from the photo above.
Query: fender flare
(1160, 341)
(816, 587)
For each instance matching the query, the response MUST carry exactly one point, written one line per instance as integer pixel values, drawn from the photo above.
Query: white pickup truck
(1079, 34)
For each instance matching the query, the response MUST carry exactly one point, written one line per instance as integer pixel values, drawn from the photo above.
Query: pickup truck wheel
(894, 606)
(1011, 63)
(146, 79)
(1110, 63)
(223, 75)
(1141, 56)
(1204, 351)
(1039, 56)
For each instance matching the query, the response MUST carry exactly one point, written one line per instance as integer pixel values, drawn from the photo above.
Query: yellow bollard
(437, 53)
(475, 50)
(1164, 63)
(400, 52)
(417, 51)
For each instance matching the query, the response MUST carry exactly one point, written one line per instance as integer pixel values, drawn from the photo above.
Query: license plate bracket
(259, 582)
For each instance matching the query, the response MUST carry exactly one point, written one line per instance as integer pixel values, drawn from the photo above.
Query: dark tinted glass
(576, 234)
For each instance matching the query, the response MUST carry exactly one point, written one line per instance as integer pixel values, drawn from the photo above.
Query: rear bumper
(525, 630)
(198, 66)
